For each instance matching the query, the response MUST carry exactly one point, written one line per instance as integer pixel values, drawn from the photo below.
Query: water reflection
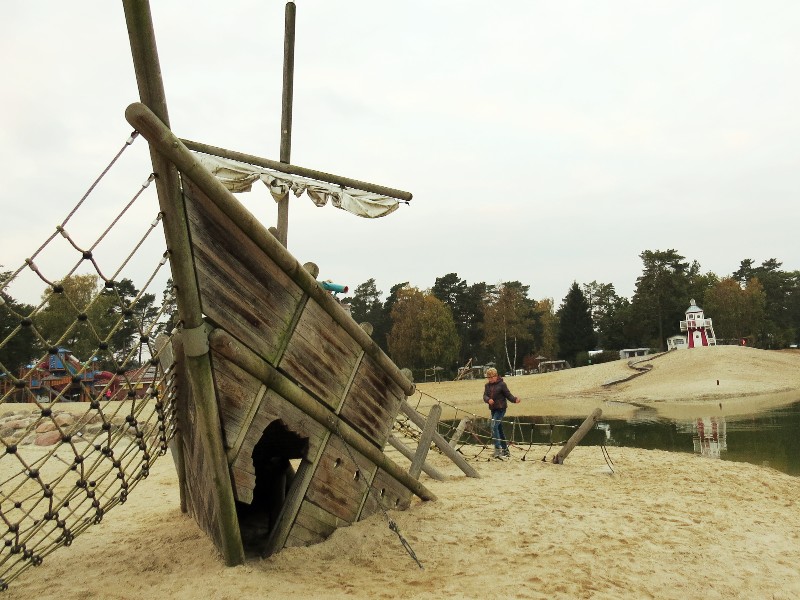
(709, 436)
(770, 438)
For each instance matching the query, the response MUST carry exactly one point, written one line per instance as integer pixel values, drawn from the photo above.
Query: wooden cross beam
(297, 170)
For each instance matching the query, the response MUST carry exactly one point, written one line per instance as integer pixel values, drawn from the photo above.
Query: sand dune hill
(679, 383)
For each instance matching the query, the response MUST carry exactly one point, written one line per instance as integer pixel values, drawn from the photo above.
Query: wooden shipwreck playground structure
(274, 403)
(270, 368)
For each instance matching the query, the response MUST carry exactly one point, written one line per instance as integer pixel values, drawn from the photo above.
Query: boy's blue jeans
(498, 436)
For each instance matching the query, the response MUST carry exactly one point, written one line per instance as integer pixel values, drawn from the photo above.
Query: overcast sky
(545, 142)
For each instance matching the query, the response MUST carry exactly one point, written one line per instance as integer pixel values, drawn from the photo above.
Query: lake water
(770, 438)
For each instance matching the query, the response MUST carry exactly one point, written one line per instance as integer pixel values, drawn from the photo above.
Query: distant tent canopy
(239, 177)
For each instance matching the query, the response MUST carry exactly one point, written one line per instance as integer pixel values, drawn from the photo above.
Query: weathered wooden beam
(248, 360)
(424, 445)
(577, 436)
(176, 231)
(462, 424)
(440, 442)
(274, 165)
(409, 454)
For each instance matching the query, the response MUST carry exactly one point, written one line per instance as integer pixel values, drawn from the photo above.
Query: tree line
(454, 321)
(110, 322)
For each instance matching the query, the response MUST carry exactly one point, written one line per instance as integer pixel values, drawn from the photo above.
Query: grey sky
(544, 142)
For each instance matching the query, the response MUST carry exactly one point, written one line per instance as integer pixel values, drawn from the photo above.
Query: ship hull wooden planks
(269, 368)
(265, 313)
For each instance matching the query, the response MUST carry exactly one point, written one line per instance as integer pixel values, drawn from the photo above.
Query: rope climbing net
(471, 435)
(87, 400)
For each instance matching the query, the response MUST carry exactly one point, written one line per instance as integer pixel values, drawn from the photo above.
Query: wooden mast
(176, 231)
(286, 114)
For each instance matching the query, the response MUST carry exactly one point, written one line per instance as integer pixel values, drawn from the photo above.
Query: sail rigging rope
(131, 138)
(370, 490)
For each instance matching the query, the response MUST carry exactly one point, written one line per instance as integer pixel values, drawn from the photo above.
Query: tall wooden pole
(286, 114)
(176, 231)
(425, 441)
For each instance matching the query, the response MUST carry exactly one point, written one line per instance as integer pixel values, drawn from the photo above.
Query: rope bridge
(64, 464)
(476, 438)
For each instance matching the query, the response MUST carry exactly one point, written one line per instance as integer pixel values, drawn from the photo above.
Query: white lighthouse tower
(699, 330)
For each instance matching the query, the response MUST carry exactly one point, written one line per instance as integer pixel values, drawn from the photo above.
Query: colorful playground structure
(63, 377)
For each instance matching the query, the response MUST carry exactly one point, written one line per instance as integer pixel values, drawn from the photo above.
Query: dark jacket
(498, 391)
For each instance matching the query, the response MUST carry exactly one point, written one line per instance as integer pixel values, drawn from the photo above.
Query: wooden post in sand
(579, 434)
(425, 440)
(432, 471)
(440, 442)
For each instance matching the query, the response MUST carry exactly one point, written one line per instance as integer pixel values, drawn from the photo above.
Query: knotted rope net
(471, 434)
(86, 381)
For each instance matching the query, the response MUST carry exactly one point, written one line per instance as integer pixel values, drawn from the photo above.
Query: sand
(684, 384)
(660, 525)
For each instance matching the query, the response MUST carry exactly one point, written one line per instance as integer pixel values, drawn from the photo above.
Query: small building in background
(548, 366)
(141, 382)
(61, 376)
(676, 342)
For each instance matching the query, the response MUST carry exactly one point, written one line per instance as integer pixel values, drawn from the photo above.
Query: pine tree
(575, 331)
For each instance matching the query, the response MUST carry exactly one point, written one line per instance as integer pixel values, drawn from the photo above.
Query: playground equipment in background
(334, 287)
(62, 375)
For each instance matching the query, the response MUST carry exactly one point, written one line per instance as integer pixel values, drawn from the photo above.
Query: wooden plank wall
(348, 499)
(339, 484)
(242, 289)
(321, 356)
(373, 402)
(335, 494)
(236, 392)
(388, 494)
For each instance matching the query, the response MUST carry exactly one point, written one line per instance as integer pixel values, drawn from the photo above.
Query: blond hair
(491, 372)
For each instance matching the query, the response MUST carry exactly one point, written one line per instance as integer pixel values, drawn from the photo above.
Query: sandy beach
(729, 380)
(661, 525)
